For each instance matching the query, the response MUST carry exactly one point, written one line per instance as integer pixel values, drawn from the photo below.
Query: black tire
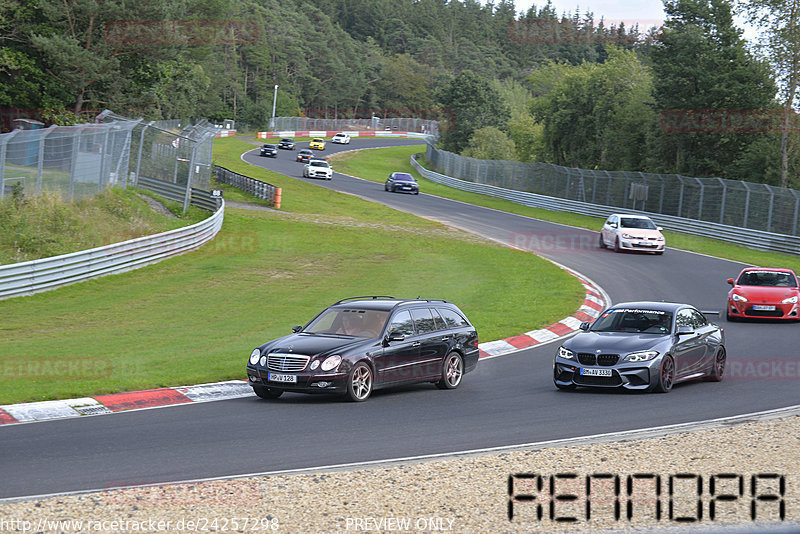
(666, 376)
(616, 245)
(659, 252)
(267, 393)
(730, 318)
(718, 366)
(452, 372)
(417, 193)
(602, 243)
(359, 383)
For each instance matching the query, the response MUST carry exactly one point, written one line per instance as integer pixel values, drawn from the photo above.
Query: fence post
(746, 204)
(103, 160)
(139, 156)
(796, 208)
(4, 140)
(724, 197)
(680, 198)
(187, 197)
(771, 204)
(40, 166)
(76, 148)
(700, 203)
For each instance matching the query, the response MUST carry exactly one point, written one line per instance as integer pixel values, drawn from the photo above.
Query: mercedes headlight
(738, 298)
(642, 356)
(331, 362)
(565, 353)
(254, 356)
(790, 300)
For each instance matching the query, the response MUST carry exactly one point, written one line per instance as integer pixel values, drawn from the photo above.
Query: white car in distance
(341, 138)
(632, 232)
(317, 168)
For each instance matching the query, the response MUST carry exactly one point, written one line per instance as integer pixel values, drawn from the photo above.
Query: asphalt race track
(508, 400)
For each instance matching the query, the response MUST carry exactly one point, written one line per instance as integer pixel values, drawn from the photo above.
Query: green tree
(469, 103)
(781, 40)
(701, 63)
(490, 143)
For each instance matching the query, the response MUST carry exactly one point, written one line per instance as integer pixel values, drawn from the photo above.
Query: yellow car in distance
(317, 144)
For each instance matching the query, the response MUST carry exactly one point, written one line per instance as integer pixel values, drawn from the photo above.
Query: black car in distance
(286, 144)
(361, 344)
(269, 151)
(401, 181)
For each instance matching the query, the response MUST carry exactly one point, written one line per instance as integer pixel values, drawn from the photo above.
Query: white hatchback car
(632, 232)
(317, 168)
(341, 138)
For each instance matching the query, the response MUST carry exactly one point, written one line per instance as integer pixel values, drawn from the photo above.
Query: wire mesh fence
(730, 202)
(76, 162)
(303, 124)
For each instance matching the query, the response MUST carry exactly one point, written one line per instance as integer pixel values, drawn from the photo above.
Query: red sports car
(764, 293)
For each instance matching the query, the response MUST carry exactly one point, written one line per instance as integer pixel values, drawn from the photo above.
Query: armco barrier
(49, 273)
(257, 188)
(748, 237)
(201, 199)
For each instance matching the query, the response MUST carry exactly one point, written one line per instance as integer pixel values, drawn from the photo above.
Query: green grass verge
(41, 226)
(376, 164)
(195, 318)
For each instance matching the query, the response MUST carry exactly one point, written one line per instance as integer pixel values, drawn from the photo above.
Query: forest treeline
(538, 85)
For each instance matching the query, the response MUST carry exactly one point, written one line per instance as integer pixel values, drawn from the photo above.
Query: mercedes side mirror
(585, 326)
(296, 329)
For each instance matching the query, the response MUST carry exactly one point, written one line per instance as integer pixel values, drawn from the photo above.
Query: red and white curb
(119, 402)
(594, 302)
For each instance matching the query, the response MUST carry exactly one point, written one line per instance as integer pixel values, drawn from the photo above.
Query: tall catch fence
(303, 124)
(727, 202)
(80, 161)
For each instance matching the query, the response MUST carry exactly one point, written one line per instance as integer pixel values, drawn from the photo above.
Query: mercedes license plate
(595, 372)
(275, 377)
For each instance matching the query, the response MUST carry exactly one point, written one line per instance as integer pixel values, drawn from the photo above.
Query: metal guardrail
(50, 273)
(257, 188)
(748, 237)
(200, 198)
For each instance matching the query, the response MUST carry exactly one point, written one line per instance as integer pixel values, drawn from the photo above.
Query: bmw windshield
(634, 321)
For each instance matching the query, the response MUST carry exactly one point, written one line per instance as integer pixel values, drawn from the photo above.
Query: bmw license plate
(595, 372)
(761, 307)
(275, 377)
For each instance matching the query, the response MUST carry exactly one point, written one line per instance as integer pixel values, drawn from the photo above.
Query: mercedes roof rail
(365, 297)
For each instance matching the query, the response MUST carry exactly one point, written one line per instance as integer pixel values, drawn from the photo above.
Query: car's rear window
(451, 318)
(634, 320)
(767, 279)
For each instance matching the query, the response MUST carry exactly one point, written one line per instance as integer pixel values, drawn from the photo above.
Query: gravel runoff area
(471, 493)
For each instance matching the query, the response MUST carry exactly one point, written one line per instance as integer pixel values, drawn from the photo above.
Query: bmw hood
(613, 342)
(312, 344)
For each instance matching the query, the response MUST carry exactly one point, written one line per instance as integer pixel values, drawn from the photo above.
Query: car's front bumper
(742, 310)
(316, 174)
(307, 382)
(405, 189)
(635, 375)
(641, 244)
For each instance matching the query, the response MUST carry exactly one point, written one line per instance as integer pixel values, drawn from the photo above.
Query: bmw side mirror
(584, 326)
(730, 281)
(684, 330)
(394, 336)
(296, 329)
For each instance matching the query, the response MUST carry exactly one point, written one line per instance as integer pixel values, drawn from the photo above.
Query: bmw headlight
(565, 353)
(254, 356)
(331, 362)
(641, 356)
(738, 298)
